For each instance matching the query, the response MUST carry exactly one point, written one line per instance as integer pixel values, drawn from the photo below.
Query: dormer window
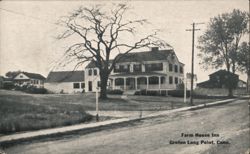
(125, 67)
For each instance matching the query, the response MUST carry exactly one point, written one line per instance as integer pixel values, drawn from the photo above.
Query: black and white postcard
(124, 77)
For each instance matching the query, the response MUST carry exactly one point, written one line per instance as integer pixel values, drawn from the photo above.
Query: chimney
(153, 49)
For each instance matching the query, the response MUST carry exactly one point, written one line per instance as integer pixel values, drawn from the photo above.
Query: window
(121, 69)
(176, 80)
(162, 80)
(148, 67)
(119, 81)
(153, 67)
(90, 72)
(98, 83)
(21, 76)
(137, 68)
(95, 72)
(82, 85)
(175, 68)
(158, 67)
(116, 69)
(125, 67)
(153, 80)
(76, 85)
(170, 67)
(170, 80)
(181, 69)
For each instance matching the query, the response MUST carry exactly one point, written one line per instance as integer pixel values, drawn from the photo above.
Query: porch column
(159, 82)
(166, 82)
(135, 83)
(113, 86)
(124, 83)
(147, 82)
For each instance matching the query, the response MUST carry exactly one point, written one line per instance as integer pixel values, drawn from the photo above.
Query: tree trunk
(248, 83)
(230, 92)
(104, 80)
(230, 88)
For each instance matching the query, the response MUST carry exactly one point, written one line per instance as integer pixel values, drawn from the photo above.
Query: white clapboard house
(26, 78)
(151, 70)
(65, 82)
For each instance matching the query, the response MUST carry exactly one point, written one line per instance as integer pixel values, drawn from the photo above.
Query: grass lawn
(22, 112)
(150, 103)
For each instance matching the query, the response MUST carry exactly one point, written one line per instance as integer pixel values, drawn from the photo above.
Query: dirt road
(218, 129)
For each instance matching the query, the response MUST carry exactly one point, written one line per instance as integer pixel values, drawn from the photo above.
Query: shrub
(180, 86)
(31, 89)
(178, 93)
(151, 92)
(115, 92)
(35, 90)
(8, 85)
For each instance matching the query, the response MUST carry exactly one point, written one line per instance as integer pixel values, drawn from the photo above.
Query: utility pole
(185, 90)
(97, 104)
(192, 62)
(248, 65)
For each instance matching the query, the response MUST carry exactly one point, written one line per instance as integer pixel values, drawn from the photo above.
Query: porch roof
(138, 74)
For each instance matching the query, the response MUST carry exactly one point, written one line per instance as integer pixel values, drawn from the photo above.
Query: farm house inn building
(65, 82)
(151, 70)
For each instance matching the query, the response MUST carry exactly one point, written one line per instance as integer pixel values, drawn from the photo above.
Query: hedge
(115, 92)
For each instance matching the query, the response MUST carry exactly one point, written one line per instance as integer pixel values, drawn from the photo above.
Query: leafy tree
(100, 33)
(243, 61)
(12, 74)
(220, 42)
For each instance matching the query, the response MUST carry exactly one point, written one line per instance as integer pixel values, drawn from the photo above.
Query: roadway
(229, 123)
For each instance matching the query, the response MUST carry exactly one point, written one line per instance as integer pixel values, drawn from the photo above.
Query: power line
(36, 18)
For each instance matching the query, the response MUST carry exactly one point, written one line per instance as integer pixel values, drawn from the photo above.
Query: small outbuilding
(65, 82)
(220, 79)
(26, 78)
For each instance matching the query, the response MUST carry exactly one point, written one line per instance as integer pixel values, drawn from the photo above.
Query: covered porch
(152, 81)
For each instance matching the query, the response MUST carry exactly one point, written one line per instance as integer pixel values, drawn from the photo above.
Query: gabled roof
(33, 75)
(146, 56)
(242, 81)
(154, 55)
(222, 72)
(93, 65)
(65, 76)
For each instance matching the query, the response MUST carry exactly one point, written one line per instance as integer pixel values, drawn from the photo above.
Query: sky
(28, 31)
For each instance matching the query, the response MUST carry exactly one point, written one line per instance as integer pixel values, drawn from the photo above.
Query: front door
(131, 83)
(90, 85)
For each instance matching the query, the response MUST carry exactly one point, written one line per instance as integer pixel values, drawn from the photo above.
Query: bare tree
(101, 34)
